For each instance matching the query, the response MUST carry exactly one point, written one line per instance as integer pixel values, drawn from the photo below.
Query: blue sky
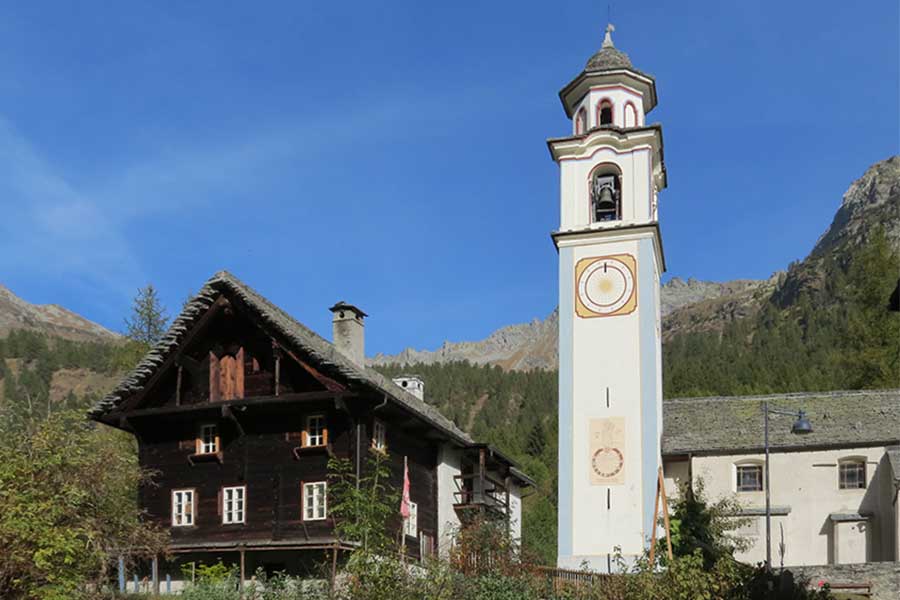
(393, 154)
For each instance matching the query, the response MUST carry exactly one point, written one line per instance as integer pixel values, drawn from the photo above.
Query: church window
(630, 115)
(606, 195)
(581, 122)
(605, 113)
(852, 475)
(749, 478)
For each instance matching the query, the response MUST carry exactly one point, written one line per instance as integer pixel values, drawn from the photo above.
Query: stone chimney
(412, 384)
(348, 331)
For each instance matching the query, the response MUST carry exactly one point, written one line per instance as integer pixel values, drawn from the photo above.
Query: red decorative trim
(625, 114)
(612, 111)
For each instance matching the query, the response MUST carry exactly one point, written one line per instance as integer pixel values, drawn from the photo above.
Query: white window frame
(411, 523)
(239, 497)
(208, 447)
(762, 476)
(379, 435)
(187, 518)
(321, 437)
(319, 502)
(853, 460)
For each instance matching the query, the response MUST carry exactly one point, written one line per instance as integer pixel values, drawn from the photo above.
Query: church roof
(608, 58)
(301, 338)
(734, 425)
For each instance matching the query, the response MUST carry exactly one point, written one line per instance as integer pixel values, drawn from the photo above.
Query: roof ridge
(787, 395)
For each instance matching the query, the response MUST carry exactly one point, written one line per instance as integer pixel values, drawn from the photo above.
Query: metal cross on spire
(607, 39)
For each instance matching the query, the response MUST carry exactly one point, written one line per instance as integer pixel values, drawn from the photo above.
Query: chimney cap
(341, 305)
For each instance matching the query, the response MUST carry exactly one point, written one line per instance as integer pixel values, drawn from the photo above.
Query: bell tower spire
(610, 262)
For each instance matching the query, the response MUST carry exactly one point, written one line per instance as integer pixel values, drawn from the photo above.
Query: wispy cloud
(54, 227)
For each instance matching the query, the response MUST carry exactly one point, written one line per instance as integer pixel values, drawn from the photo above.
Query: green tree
(362, 505)
(148, 320)
(67, 492)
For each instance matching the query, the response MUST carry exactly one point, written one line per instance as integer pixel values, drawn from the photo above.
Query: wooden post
(655, 519)
(334, 567)
(178, 387)
(665, 507)
(241, 583)
(154, 572)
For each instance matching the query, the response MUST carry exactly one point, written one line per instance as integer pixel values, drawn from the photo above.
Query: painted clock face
(607, 462)
(606, 286)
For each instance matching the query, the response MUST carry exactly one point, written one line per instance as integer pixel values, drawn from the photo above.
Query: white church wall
(575, 177)
(807, 484)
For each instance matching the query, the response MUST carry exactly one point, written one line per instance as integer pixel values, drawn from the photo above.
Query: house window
(749, 478)
(315, 501)
(182, 508)
(426, 546)
(852, 475)
(233, 504)
(379, 436)
(411, 523)
(605, 113)
(316, 433)
(208, 442)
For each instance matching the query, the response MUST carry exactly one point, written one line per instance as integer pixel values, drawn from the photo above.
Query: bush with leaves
(68, 495)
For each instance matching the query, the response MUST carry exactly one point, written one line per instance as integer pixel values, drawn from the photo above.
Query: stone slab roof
(734, 425)
(301, 338)
(894, 458)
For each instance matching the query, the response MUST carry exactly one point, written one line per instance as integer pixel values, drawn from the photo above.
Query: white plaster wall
(606, 353)
(515, 512)
(853, 541)
(637, 192)
(449, 465)
(807, 482)
(619, 96)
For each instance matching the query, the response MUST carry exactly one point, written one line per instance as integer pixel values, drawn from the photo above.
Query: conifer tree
(148, 317)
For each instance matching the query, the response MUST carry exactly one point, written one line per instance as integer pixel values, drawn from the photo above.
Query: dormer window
(581, 122)
(606, 196)
(605, 113)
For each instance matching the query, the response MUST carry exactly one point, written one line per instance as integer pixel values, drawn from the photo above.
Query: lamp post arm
(780, 411)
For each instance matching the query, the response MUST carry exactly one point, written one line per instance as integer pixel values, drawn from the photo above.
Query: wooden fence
(562, 579)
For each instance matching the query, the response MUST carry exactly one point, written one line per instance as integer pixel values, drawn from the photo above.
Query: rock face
(534, 345)
(694, 305)
(51, 319)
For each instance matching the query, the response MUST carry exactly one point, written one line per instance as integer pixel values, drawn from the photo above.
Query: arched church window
(630, 115)
(605, 113)
(606, 195)
(581, 122)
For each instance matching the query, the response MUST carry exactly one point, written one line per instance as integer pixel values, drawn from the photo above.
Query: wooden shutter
(325, 432)
(220, 502)
(239, 374)
(214, 389)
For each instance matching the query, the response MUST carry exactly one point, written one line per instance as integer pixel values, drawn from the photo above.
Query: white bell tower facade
(610, 262)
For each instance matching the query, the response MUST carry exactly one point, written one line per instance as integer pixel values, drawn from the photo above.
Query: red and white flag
(404, 501)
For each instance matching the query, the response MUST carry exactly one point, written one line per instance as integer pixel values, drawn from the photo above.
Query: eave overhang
(572, 94)
(577, 147)
(595, 232)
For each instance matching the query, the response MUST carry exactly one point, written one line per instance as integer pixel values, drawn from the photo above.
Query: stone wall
(884, 576)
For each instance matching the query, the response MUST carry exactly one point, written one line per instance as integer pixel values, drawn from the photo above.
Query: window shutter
(226, 377)
(214, 393)
(220, 500)
(302, 501)
(239, 374)
(325, 434)
(304, 440)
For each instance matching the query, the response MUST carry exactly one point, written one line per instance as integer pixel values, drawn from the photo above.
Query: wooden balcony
(479, 493)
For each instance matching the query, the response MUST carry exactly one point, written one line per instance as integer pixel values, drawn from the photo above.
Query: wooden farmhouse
(238, 409)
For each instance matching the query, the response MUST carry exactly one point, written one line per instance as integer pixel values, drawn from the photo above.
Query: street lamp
(801, 426)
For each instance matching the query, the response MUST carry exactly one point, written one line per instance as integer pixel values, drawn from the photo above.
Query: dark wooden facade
(257, 388)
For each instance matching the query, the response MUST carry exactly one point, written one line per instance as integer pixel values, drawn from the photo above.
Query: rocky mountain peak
(52, 319)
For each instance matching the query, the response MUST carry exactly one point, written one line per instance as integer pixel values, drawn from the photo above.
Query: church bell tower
(610, 261)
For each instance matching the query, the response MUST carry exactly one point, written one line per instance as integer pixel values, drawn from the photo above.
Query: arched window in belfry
(581, 122)
(606, 194)
(630, 115)
(605, 113)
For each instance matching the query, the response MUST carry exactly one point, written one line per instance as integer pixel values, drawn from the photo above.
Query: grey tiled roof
(303, 340)
(608, 58)
(735, 424)
(894, 458)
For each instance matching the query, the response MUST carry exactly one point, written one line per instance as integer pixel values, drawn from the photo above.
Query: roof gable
(297, 337)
